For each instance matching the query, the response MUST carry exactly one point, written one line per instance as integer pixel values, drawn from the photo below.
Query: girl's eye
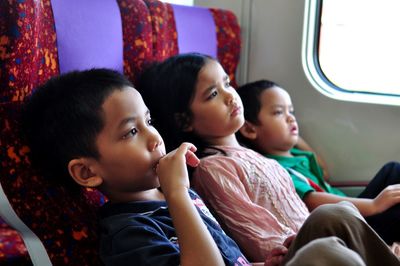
(212, 95)
(291, 112)
(131, 133)
(278, 112)
(227, 84)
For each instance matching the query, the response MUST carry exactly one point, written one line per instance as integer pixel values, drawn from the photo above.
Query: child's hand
(288, 241)
(172, 171)
(275, 257)
(387, 198)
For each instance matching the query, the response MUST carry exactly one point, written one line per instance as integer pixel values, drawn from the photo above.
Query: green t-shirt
(304, 165)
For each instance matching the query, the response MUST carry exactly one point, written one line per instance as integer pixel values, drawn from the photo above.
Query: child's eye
(292, 112)
(278, 112)
(131, 133)
(227, 84)
(212, 95)
(150, 122)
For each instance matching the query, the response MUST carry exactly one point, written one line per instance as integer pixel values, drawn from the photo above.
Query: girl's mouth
(236, 110)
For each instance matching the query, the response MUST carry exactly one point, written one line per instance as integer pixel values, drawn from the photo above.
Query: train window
(179, 2)
(351, 49)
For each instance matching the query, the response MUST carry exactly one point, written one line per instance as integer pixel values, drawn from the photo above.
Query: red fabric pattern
(65, 224)
(165, 38)
(137, 34)
(228, 39)
(28, 52)
(12, 247)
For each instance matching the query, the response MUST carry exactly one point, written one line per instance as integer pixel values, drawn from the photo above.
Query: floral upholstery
(28, 57)
(65, 224)
(165, 42)
(137, 34)
(228, 39)
(12, 248)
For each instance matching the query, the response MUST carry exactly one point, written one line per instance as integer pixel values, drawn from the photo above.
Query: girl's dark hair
(250, 94)
(62, 118)
(168, 89)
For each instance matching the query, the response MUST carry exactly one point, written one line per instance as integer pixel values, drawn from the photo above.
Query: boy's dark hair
(62, 118)
(168, 89)
(250, 95)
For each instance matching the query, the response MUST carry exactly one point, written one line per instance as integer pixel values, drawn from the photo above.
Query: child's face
(129, 145)
(217, 110)
(277, 130)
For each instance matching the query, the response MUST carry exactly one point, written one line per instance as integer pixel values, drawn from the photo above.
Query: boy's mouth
(157, 162)
(294, 130)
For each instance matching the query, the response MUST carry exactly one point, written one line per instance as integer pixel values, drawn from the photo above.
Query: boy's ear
(81, 171)
(183, 122)
(248, 130)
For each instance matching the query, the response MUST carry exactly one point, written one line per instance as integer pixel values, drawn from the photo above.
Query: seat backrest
(43, 38)
(182, 29)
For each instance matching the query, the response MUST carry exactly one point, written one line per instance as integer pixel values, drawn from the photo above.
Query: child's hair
(250, 94)
(62, 118)
(168, 89)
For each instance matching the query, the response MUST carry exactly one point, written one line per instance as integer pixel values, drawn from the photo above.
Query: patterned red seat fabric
(29, 53)
(12, 248)
(34, 46)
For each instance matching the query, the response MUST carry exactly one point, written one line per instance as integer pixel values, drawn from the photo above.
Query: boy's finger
(188, 146)
(191, 159)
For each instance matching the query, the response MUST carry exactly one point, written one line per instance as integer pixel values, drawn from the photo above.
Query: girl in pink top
(252, 196)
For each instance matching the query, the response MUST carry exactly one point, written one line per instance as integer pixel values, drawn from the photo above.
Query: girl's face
(216, 108)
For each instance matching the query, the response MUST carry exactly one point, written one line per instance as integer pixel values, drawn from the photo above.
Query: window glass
(360, 44)
(351, 49)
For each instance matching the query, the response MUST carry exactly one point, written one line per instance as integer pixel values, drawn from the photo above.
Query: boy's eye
(150, 122)
(131, 133)
(278, 112)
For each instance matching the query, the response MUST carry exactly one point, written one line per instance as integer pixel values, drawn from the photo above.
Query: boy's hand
(172, 171)
(387, 198)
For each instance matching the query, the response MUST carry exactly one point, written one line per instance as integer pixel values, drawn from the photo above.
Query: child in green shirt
(272, 130)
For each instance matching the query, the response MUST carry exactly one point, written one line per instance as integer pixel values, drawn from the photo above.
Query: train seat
(44, 38)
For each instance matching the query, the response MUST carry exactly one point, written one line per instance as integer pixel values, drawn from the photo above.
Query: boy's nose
(154, 142)
(291, 118)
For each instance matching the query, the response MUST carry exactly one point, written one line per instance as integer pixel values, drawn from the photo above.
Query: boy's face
(217, 110)
(129, 145)
(277, 130)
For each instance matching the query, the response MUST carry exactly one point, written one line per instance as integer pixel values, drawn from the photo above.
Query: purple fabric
(89, 34)
(196, 30)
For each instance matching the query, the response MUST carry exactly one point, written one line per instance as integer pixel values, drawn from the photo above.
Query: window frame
(312, 68)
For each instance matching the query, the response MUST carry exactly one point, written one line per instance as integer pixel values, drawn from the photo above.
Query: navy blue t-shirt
(142, 233)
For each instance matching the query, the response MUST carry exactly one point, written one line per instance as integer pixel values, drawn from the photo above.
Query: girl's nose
(229, 97)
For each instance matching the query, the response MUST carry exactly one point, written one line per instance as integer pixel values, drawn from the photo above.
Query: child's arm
(303, 145)
(197, 247)
(367, 207)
